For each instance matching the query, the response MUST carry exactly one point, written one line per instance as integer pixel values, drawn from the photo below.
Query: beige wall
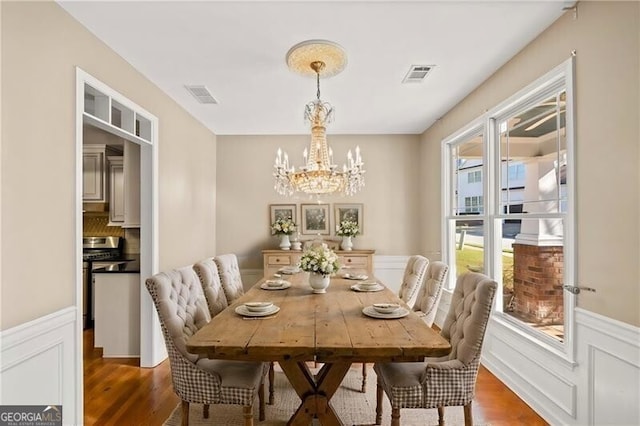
(245, 190)
(41, 45)
(606, 38)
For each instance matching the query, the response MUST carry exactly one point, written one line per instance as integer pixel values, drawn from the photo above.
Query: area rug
(353, 407)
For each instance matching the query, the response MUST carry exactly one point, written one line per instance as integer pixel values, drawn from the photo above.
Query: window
(517, 226)
(473, 204)
(475, 176)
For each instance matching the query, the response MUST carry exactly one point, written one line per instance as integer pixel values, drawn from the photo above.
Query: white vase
(319, 282)
(285, 244)
(346, 244)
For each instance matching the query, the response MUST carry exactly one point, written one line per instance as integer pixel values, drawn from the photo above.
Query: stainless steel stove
(101, 248)
(96, 252)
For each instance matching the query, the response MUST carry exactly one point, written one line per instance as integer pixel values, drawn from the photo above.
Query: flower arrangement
(347, 228)
(319, 259)
(283, 226)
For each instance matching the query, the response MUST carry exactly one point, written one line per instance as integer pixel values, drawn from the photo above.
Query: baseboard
(39, 363)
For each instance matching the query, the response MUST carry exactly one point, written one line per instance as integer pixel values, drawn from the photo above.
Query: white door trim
(152, 350)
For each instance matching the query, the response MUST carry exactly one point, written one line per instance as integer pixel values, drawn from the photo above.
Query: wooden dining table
(329, 328)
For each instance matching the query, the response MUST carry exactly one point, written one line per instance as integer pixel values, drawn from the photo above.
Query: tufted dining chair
(182, 309)
(450, 380)
(430, 292)
(412, 279)
(230, 278)
(414, 273)
(207, 272)
(209, 275)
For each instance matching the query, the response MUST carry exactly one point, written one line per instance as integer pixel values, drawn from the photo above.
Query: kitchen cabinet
(124, 180)
(117, 314)
(273, 260)
(116, 193)
(131, 185)
(94, 173)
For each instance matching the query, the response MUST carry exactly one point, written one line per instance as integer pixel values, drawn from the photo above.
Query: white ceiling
(237, 49)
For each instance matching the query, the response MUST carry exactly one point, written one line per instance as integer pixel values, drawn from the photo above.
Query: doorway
(138, 126)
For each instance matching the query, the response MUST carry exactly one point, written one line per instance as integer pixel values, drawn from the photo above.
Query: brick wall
(537, 283)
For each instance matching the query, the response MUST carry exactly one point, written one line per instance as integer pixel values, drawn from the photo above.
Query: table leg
(315, 393)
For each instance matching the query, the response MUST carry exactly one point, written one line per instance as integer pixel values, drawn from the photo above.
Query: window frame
(561, 77)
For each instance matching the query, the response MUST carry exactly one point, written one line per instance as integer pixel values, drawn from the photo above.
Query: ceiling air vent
(202, 94)
(417, 73)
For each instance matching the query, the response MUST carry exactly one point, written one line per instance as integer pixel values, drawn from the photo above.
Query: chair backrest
(468, 316)
(431, 291)
(207, 271)
(230, 278)
(181, 307)
(414, 274)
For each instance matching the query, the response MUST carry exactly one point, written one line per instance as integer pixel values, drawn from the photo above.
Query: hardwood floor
(118, 392)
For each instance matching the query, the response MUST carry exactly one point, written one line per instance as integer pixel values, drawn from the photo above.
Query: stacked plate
(257, 309)
(385, 311)
(358, 277)
(275, 284)
(289, 270)
(367, 286)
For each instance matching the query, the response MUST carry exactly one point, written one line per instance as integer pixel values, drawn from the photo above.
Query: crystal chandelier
(319, 175)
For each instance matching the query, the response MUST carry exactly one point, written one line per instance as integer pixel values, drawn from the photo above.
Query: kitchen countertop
(129, 264)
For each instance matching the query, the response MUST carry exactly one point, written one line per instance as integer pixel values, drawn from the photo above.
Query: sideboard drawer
(279, 260)
(359, 261)
(273, 260)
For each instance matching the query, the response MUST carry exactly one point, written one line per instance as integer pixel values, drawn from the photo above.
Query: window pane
(533, 158)
(533, 274)
(469, 250)
(467, 172)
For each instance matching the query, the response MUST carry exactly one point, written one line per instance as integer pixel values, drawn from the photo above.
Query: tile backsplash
(96, 225)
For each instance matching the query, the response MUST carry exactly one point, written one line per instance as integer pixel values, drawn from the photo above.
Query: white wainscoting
(600, 387)
(39, 364)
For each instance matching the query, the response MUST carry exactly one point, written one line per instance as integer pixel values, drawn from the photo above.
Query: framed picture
(283, 211)
(315, 219)
(352, 212)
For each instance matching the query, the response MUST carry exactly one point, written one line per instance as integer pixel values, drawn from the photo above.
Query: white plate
(242, 310)
(285, 284)
(356, 287)
(355, 277)
(370, 312)
(289, 270)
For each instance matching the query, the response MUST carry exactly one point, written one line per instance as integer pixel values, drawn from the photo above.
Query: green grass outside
(472, 258)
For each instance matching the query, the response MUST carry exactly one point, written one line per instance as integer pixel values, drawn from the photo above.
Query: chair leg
(271, 385)
(440, 416)
(261, 415)
(205, 411)
(468, 416)
(364, 377)
(379, 392)
(247, 412)
(395, 417)
(185, 413)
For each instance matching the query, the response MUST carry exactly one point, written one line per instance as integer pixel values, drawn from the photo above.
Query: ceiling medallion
(318, 58)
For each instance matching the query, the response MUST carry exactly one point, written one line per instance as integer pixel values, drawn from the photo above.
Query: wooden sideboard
(276, 259)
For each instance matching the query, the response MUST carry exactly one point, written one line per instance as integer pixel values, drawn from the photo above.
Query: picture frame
(277, 211)
(315, 219)
(351, 212)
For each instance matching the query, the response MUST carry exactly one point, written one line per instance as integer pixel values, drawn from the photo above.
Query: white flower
(347, 228)
(319, 259)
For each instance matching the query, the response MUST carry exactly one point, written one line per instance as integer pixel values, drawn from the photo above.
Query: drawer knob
(349, 260)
